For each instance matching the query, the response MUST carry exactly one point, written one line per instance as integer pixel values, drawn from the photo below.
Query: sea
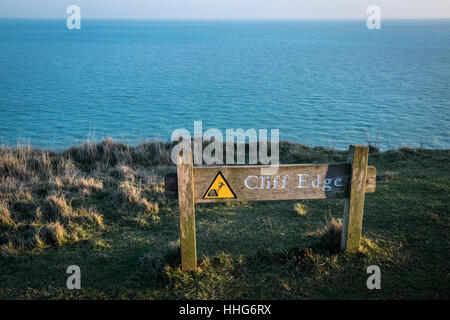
(326, 83)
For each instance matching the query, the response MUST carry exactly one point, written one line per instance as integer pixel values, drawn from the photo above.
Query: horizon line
(222, 19)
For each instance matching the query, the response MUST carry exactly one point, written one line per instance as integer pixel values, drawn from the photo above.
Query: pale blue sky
(226, 9)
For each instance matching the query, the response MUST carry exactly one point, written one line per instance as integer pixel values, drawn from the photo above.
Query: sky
(226, 9)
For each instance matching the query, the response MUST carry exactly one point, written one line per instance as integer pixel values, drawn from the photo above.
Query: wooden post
(187, 212)
(354, 205)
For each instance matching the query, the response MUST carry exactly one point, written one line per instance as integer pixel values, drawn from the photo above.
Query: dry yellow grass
(49, 198)
(330, 238)
(300, 209)
(5, 215)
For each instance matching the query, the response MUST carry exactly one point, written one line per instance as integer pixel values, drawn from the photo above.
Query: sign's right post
(354, 204)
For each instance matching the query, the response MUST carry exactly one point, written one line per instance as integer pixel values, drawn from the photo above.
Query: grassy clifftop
(102, 207)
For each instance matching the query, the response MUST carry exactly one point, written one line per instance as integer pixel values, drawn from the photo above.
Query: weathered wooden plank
(317, 181)
(187, 213)
(171, 187)
(354, 205)
(371, 179)
(292, 182)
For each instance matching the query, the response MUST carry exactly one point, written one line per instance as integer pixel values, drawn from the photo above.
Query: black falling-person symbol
(214, 192)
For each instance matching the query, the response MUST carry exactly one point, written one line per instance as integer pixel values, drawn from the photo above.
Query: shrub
(151, 267)
(131, 195)
(5, 216)
(53, 233)
(24, 211)
(87, 185)
(56, 207)
(330, 238)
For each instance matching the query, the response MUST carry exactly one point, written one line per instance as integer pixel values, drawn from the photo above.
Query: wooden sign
(202, 184)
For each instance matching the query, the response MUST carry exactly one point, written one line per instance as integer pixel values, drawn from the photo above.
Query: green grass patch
(102, 207)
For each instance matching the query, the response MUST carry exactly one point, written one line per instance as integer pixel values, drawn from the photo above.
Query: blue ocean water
(328, 83)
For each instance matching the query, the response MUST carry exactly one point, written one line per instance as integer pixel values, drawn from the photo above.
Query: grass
(102, 207)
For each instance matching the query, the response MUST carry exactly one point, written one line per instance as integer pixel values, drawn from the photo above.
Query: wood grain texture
(236, 176)
(171, 186)
(354, 205)
(187, 213)
(371, 179)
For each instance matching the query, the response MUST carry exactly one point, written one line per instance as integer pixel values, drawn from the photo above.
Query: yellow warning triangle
(219, 189)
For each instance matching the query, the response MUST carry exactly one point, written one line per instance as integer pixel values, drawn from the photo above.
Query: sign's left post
(185, 177)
